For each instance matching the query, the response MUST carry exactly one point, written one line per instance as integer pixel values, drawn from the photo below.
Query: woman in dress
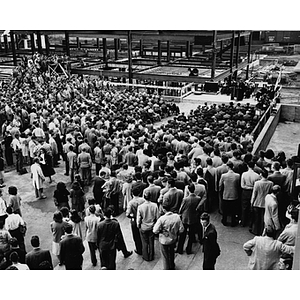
(61, 196)
(46, 164)
(77, 198)
(75, 221)
(58, 230)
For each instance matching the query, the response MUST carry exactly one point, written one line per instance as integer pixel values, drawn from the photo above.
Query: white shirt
(13, 221)
(2, 207)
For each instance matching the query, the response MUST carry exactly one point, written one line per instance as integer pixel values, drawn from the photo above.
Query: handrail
(261, 123)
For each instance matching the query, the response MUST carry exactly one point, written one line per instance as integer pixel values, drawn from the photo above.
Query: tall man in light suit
(229, 191)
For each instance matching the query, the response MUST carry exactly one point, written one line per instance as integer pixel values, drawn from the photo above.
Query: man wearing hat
(211, 247)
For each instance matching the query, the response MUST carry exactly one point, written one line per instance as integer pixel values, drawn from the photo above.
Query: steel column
(249, 54)
(13, 47)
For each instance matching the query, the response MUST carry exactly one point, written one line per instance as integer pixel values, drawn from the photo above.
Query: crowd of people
(167, 179)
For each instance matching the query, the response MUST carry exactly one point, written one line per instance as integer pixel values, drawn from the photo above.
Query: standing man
(131, 213)
(168, 226)
(229, 192)
(261, 189)
(147, 215)
(109, 232)
(72, 162)
(71, 250)
(85, 164)
(173, 197)
(271, 217)
(38, 178)
(91, 223)
(247, 184)
(211, 247)
(35, 257)
(152, 190)
(264, 251)
(189, 217)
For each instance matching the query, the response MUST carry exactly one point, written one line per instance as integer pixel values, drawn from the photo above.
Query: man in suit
(147, 215)
(152, 190)
(138, 184)
(219, 172)
(211, 247)
(173, 197)
(189, 218)
(98, 188)
(261, 189)
(229, 192)
(109, 233)
(279, 179)
(271, 217)
(35, 257)
(264, 251)
(71, 250)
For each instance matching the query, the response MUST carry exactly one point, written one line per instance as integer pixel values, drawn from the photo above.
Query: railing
(261, 123)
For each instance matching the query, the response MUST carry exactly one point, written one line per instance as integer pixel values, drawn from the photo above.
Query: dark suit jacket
(211, 248)
(71, 250)
(139, 185)
(109, 235)
(188, 209)
(97, 189)
(277, 178)
(173, 198)
(37, 256)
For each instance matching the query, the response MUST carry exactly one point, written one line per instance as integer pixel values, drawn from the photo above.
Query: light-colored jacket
(265, 252)
(271, 212)
(37, 176)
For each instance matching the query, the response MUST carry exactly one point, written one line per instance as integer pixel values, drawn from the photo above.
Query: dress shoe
(128, 254)
(179, 252)
(189, 252)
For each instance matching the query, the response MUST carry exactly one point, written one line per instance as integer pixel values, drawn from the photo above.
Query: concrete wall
(266, 134)
(290, 112)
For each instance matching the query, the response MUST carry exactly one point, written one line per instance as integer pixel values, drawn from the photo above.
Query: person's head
(91, 201)
(61, 186)
(12, 190)
(251, 164)
(75, 216)
(65, 212)
(276, 189)
(108, 212)
(193, 177)
(191, 188)
(285, 262)
(14, 257)
(150, 179)
(295, 214)
(9, 210)
(276, 166)
(35, 241)
(224, 158)
(200, 172)
(230, 165)
(68, 228)
(209, 161)
(14, 242)
(57, 217)
(92, 209)
(270, 232)
(204, 219)
(171, 182)
(264, 173)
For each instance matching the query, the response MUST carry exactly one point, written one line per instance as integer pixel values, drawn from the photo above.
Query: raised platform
(213, 98)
